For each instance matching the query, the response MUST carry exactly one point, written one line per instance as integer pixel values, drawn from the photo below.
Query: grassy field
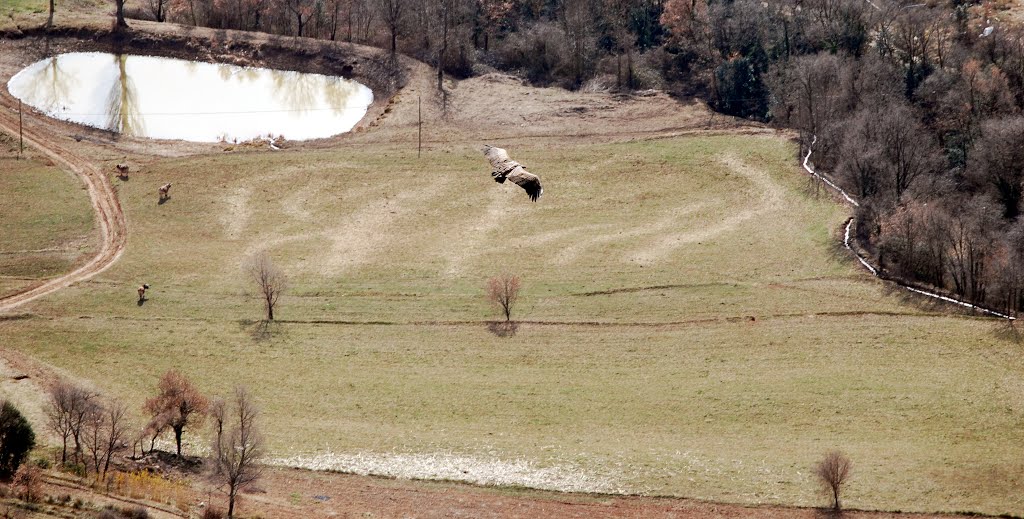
(46, 220)
(640, 363)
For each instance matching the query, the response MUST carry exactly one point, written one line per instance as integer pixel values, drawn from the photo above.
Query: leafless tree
(997, 163)
(270, 281)
(302, 10)
(49, 18)
(159, 9)
(236, 452)
(105, 433)
(28, 482)
(67, 411)
(120, 23)
(805, 91)
(970, 245)
(58, 415)
(832, 472)
(503, 292)
(218, 413)
(392, 13)
(177, 405)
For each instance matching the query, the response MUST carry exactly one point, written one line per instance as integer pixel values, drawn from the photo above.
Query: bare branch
(270, 280)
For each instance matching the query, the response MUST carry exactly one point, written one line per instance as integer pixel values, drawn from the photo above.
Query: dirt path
(109, 216)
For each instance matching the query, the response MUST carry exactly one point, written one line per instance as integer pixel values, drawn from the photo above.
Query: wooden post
(21, 138)
(419, 135)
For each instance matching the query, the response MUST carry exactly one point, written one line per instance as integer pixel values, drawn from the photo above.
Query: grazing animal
(142, 292)
(506, 168)
(165, 191)
(122, 168)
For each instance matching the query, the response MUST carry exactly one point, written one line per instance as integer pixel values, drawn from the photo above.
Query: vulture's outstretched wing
(527, 181)
(499, 159)
(505, 167)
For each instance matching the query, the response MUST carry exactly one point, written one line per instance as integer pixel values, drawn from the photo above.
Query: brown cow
(142, 292)
(165, 191)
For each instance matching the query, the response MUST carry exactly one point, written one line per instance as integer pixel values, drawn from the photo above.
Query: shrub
(537, 53)
(136, 513)
(28, 483)
(16, 439)
(832, 472)
(212, 513)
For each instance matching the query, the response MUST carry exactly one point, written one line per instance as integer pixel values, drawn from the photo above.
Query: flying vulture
(506, 168)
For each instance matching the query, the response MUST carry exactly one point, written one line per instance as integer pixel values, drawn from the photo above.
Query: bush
(213, 513)
(536, 53)
(16, 439)
(77, 469)
(28, 483)
(135, 513)
(832, 472)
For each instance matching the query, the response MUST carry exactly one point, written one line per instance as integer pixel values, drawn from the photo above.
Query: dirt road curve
(109, 217)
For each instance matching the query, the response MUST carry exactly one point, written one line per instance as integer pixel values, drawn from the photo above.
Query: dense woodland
(916, 108)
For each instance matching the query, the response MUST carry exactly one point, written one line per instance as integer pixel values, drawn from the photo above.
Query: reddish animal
(165, 191)
(142, 292)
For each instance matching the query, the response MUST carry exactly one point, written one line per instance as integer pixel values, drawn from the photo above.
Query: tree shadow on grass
(503, 328)
(1007, 330)
(261, 330)
(828, 513)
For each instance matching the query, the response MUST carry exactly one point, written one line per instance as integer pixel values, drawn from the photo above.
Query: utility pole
(419, 136)
(21, 137)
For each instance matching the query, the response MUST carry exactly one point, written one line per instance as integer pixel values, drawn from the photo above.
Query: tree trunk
(49, 19)
(231, 503)
(177, 439)
(121, 24)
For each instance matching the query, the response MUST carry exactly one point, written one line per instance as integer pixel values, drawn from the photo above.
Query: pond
(164, 98)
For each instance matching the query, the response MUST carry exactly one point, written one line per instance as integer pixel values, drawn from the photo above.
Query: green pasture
(46, 221)
(689, 326)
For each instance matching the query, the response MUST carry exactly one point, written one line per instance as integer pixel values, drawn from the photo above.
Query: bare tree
(503, 292)
(159, 9)
(218, 413)
(392, 12)
(67, 411)
(996, 165)
(58, 415)
(120, 24)
(49, 19)
(270, 281)
(236, 452)
(832, 472)
(28, 482)
(105, 432)
(178, 405)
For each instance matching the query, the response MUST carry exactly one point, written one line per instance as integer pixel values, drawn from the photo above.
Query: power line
(236, 112)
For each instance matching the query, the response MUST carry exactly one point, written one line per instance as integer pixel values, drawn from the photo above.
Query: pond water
(167, 98)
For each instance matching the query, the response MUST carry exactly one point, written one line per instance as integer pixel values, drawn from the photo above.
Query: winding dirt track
(110, 218)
